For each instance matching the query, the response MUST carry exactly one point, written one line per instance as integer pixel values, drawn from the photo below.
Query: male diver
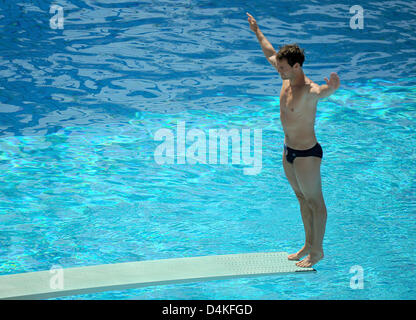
(302, 154)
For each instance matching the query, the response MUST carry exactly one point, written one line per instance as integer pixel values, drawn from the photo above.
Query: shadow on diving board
(121, 276)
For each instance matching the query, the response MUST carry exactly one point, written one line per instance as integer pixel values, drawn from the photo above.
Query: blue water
(79, 108)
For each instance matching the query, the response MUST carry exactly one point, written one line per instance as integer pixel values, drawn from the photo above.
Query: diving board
(128, 275)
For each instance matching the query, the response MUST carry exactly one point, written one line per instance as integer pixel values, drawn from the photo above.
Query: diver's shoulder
(310, 86)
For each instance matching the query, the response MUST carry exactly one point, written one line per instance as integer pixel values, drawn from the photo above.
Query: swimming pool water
(80, 106)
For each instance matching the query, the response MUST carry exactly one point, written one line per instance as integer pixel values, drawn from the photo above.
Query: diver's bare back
(297, 114)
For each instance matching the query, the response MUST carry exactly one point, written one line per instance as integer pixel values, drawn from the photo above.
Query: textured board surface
(120, 276)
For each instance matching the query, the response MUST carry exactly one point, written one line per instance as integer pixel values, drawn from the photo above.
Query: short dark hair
(292, 53)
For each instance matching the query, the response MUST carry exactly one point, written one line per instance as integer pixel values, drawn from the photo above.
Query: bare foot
(311, 259)
(300, 254)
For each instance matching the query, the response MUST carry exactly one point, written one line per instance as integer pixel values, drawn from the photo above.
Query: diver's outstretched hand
(253, 23)
(333, 81)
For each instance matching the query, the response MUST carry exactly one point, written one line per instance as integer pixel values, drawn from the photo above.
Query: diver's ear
(296, 65)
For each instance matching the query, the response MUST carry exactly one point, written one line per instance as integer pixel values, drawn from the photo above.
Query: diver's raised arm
(266, 46)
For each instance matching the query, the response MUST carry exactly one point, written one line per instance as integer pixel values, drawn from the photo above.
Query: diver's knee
(300, 196)
(316, 203)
